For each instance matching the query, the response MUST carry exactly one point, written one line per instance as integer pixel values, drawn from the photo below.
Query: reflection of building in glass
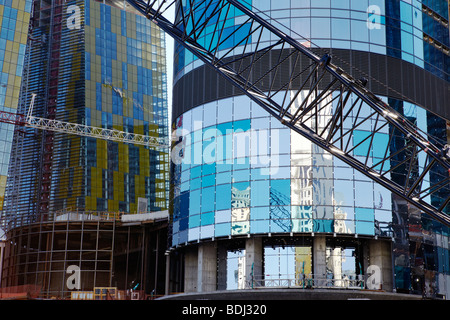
(303, 265)
(240, 198)
(301, 218)
(240, 220)
(303, 193)
(339, 221)
(106, 68)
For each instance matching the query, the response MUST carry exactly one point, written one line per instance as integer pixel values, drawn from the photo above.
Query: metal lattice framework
(95, 132)
(81, 129)
(318, 100)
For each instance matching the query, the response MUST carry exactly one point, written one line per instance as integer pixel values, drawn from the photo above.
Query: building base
(294, 294)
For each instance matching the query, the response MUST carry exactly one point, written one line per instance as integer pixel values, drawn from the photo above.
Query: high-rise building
(253, 198)
(101, 64)
(86, 67)
(14, 21)
(15, 17)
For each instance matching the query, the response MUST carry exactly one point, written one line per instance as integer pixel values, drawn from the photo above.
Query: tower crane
(323, 82)
(79, 129)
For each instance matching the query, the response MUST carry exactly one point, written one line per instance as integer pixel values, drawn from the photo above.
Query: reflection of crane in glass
(279, 212)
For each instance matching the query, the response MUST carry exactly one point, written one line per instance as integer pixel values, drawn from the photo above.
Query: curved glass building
(255, 204)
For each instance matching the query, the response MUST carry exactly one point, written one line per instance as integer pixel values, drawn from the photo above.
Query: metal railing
(307, 282)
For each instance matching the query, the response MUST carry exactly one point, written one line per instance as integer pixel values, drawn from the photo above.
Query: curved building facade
(256, 204)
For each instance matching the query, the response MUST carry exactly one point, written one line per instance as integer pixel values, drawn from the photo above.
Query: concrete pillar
(167, 282)
(2, 249)
(221, 266)
(253, 260)
(380, 257)
(207, 267)
(319, 260)
(190, 269)
(335, 266)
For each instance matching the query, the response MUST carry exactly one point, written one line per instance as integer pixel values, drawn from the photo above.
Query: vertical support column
(190, 269)
(207, 267)
(319, 260)
(253, 260)
(221, 267)
(335, 266)
(380, 260)
(167, 281)
(2, 249)
(156, 261)
(365, 259)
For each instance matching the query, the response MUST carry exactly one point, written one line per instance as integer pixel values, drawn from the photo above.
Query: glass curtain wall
(15, 17)
(242, 172)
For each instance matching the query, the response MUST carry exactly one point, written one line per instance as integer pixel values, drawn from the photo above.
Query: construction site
(83, 177)
(80, 251)
(340, 190)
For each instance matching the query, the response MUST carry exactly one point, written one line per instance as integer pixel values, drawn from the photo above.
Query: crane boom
(81, 129)
(96, 132)
(310, 94)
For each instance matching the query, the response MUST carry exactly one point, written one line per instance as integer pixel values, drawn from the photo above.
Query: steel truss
(96, 132)
(317, 99)
(81, 129)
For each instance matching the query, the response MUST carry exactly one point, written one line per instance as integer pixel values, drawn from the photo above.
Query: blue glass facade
(394, 28)
(244, 172)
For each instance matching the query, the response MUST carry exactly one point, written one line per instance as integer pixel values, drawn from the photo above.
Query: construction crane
(319, 83)
(79, 129)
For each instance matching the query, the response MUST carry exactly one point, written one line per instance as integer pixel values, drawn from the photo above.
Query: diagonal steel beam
(319, 88)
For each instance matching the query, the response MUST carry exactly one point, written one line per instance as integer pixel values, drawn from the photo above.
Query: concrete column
(207, 267)
(319, 260)
(221, 267)
(253, 259)
(380, 256)
(190, 269)
(2, 249)
(167, 282)
(335, 266)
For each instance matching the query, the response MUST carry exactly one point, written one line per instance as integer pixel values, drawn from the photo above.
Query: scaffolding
(107, 250)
